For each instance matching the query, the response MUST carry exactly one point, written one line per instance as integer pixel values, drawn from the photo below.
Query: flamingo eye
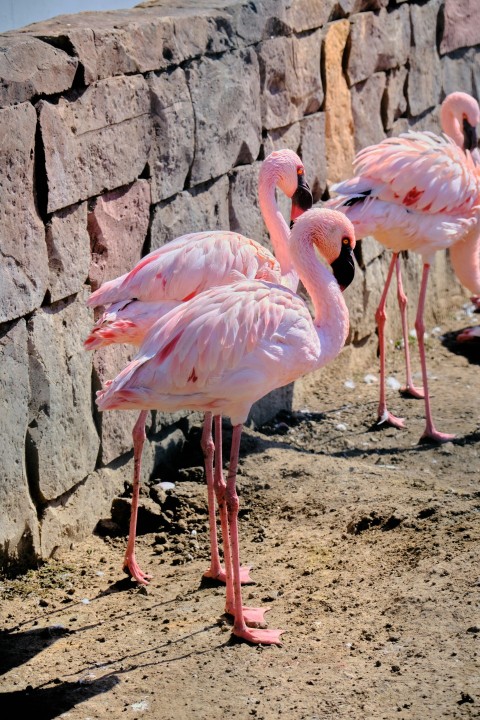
(300, 171)
(346, 241)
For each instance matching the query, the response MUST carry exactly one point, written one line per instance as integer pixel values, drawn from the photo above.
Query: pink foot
(221, 576)
(259, 637)
(436, 436)
(413, 392)
(388, 419)
(254, 617)
(131, 567)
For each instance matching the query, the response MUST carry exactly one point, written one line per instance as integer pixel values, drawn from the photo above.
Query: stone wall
(120, 131)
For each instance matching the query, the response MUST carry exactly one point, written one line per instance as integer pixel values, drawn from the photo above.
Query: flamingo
(177, 272)
(228, 346)
(417, 192)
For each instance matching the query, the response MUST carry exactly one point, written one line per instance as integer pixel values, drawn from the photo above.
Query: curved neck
(451, 125)
(330, 311)
(465, 259)
(278, 230)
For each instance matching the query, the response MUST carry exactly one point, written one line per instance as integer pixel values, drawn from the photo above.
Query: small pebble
(369, 379)
(165, 485)
(349, 384)
(393, 383)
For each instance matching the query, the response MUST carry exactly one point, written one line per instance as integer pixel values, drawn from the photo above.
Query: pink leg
(215, 570)
(253, 616)
(384, 416)
(130, 565)
(430, 431)
(410, 388)
(240, 629)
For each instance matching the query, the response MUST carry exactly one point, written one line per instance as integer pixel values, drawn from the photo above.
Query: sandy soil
(364, 545)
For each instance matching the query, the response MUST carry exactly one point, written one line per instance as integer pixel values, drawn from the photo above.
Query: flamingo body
(177, 272)
(419, 192)
(227, 347)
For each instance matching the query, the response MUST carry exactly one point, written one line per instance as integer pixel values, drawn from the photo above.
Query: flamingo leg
(215, 571)
(409, 388)
(430, 432)
(240, 629)
(253, 616)
(130, 565)
(384, 416)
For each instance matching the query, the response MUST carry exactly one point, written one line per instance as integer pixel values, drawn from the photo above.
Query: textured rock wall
(121, 130)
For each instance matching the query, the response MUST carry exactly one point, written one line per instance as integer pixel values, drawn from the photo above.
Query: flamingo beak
(344, 267)
(470, 139)
(302, 199)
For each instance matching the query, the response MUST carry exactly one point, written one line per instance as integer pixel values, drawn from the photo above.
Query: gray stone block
(245, 215)
(291, 79)
(62, 439)
(95, 141)
(225, 96)
(302, 15)
(173, 144)
(424, 85)
(68, 246)
(395, 99)
(78, 513)
(19, 529)
(30, 67)
(118, 225)
(378, 42)
(366, 107)
(116, 426)
(461, 25)
(202, 208)
(23, 251)
(457, 73)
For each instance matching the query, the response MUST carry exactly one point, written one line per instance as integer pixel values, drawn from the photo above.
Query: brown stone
(366, 107)
(378, 42)
(68, 246)
(19, 531)
(339, 128)
(202, 208)
(62, 438)
(31, 67)
(225, 96)
(118, 226)
(395, 100)
(173, 143)
(291, 79)
(462, 25)
(302, 15)
(23, 251)
(95, 141)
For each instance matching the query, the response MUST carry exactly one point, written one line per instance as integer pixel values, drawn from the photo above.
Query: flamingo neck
(465, 259)
(451, 124)
(278, 229)
(330, 311)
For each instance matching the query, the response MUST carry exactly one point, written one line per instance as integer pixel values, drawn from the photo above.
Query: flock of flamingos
(218, 323)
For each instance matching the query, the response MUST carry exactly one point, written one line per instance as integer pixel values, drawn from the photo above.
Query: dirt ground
(363, 543)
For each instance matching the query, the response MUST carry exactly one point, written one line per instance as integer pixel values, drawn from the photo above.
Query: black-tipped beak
(302, 199)
(470, 139)
(344, 267)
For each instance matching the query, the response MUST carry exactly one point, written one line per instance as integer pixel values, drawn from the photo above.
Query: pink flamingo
(177, 272)
(228, 346)
(417, 192)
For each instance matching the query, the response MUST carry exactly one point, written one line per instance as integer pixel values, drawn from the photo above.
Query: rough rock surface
(366, 108)
(117, 225)
(62, 440)
(19, 531)
(82, 135)
(462, 25)
(202, 208)
(339, 129)
(68, 245)
(30, 67)
(24, 265)
(425, 76)
(230, 121)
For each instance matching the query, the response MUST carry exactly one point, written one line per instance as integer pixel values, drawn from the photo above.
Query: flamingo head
(460, 115)
(287, 171)
(333, 235)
